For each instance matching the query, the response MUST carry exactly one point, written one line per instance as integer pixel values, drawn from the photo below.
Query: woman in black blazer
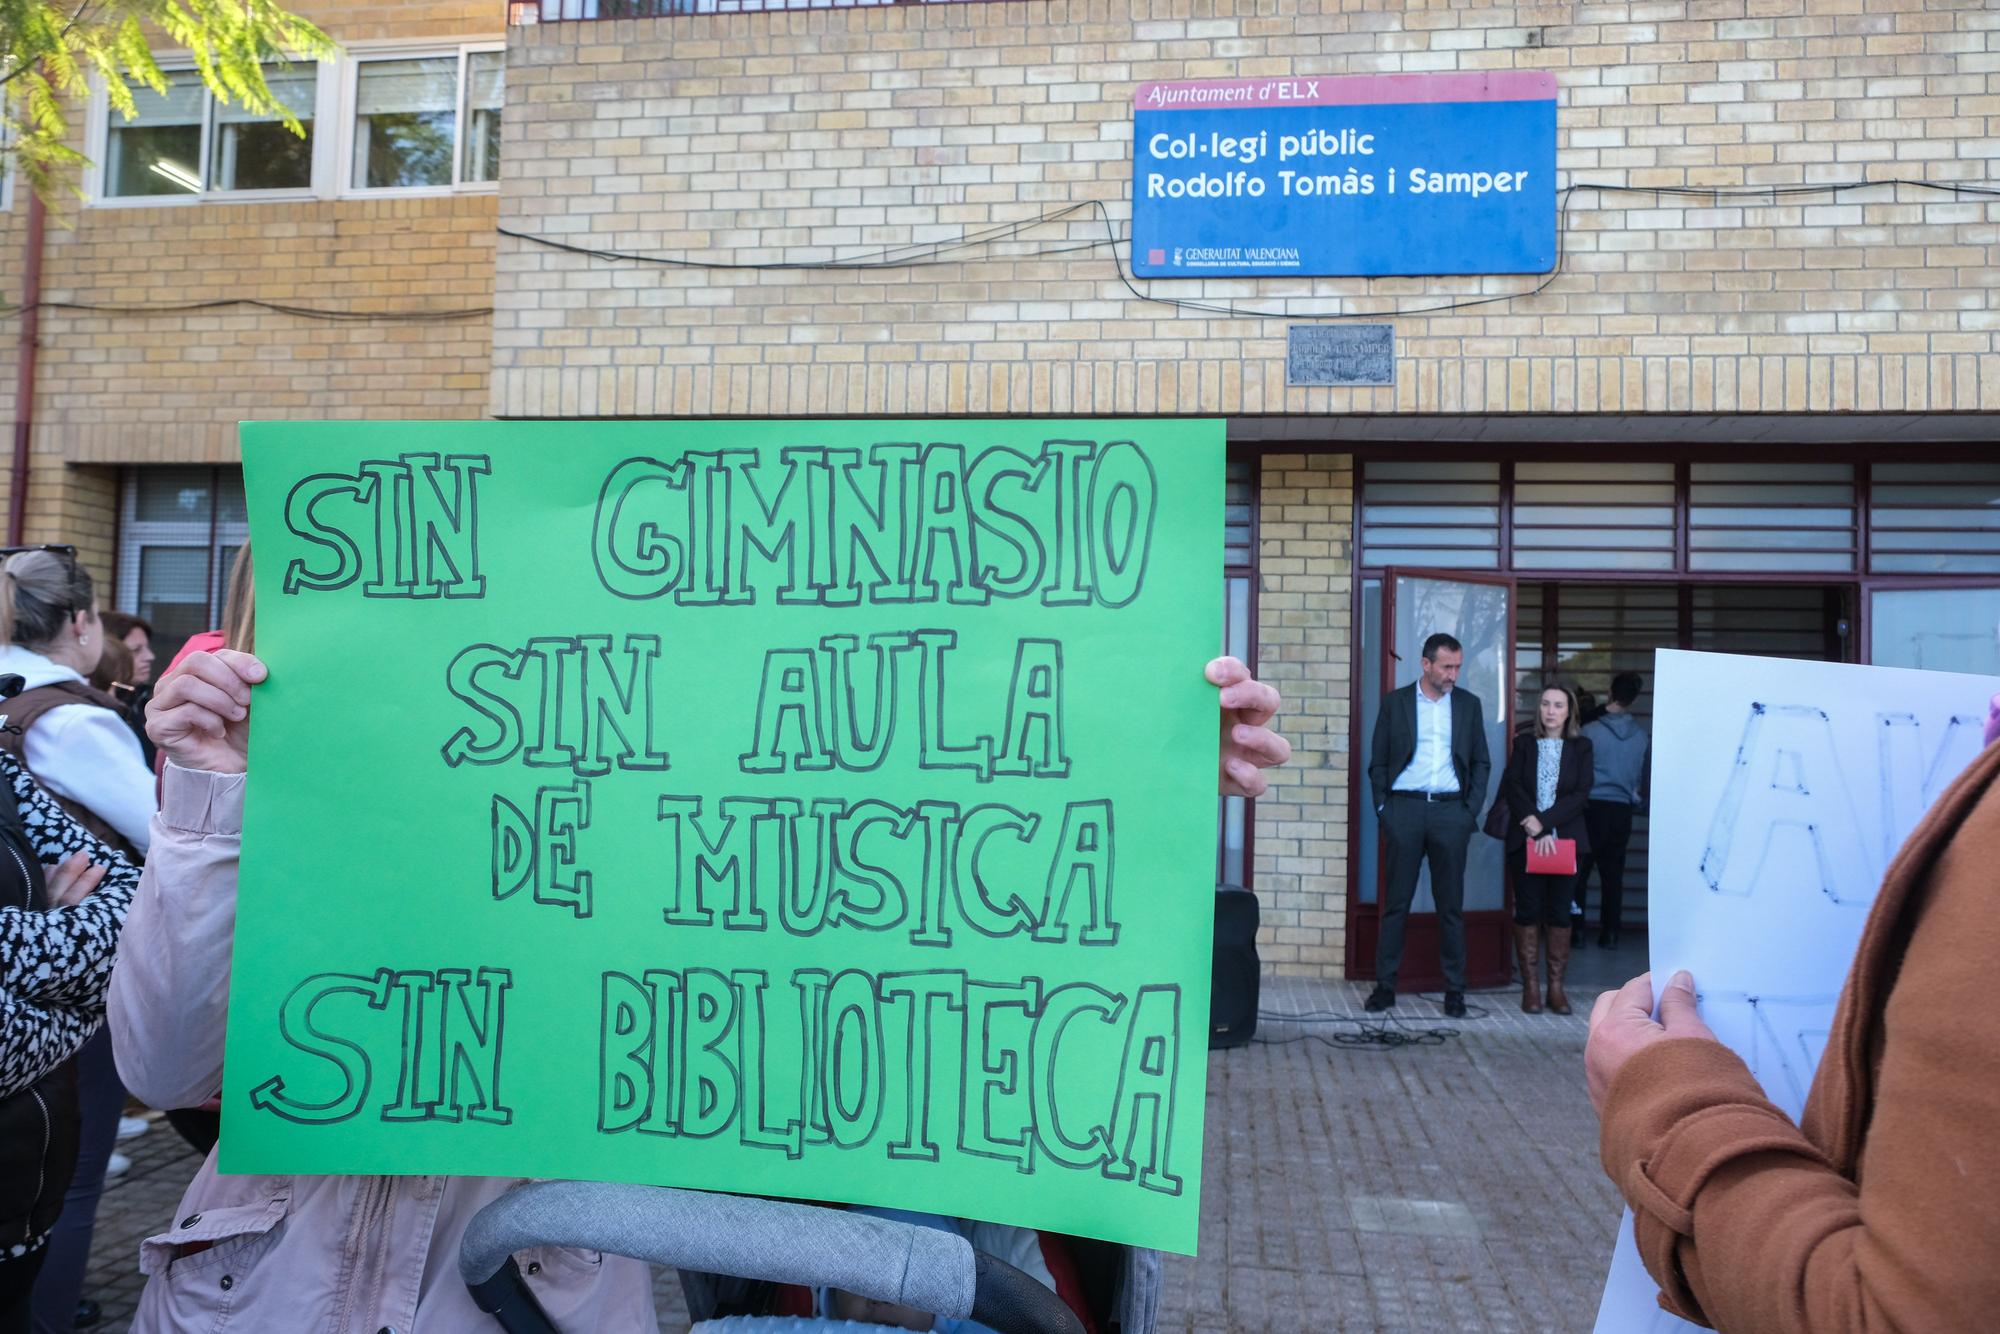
(1547, 786)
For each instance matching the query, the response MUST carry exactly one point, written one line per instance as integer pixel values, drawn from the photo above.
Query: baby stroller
(733, 1253)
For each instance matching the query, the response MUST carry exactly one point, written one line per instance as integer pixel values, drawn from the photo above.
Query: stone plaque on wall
(1341, 354)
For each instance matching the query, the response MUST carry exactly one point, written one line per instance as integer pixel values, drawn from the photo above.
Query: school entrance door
(1577, 571)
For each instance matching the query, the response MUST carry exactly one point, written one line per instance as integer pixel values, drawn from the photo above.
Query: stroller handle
(771, 1240)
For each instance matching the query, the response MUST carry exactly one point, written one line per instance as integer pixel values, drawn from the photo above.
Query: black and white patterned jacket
(57, 962)
(55, 965)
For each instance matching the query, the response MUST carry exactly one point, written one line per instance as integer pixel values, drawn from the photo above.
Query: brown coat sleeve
(1743, 1221)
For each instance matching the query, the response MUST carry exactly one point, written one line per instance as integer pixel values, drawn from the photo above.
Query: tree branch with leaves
(49, 49)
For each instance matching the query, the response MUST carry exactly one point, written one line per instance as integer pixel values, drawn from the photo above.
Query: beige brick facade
(785, 139)
(753, 139)
(1305, 619)
(170, 387)
(758, 145)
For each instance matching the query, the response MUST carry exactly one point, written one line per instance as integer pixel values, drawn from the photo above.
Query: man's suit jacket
(1395, 744)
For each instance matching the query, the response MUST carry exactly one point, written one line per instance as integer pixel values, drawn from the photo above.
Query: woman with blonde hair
(76, 742)
(72, 736)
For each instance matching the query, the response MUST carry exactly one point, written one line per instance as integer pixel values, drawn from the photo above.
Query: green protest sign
(817, 809)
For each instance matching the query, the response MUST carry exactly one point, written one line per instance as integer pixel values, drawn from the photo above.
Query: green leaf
(49, 48)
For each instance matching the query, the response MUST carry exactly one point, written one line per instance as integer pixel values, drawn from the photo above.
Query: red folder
(1562, 861)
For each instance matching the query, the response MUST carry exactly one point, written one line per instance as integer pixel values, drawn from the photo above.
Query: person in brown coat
(1880, 1211)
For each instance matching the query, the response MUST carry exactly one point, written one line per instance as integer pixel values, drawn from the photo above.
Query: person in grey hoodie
(1623, 754)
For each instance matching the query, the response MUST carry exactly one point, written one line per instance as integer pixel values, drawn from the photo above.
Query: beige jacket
(340, 1255)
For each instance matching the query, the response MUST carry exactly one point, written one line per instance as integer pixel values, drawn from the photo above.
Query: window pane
(1447, 512)
(1403, 470)
(485, 75)
(158, 152)
(1973, 492)
(1771, 560)
(1368, 629)
(1945, 544)
(1625, 471)
(1435, 556)
(1956, 474)
(1771, 472)
(1930, 562)
(1439, 537)
(1771, 516)
(1623, 516)
(1233, 863)
(234, 513)
(173, 594)
(1756, 539)
(1936, 629)
(1527, 541)
(1969, 517)
(406, 115)
(252, 152)
(1594, 559)
(1580, 493)
(1748, 516)
(1934, 518)
(174, 495)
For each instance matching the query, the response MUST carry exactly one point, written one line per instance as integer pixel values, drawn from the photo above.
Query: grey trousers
(1418, 830)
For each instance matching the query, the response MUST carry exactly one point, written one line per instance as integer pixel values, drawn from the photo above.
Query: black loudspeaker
(1232, 997)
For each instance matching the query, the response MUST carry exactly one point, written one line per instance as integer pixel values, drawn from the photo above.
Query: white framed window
(184, 145)
(379, 118)
(179, 529)
(423, 121)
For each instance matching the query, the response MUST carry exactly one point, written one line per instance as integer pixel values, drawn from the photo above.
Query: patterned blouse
(1548, 769)
(57, 964)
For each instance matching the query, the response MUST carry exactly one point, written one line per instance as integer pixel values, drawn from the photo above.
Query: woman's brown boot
(1531, 968)
(1559, 942)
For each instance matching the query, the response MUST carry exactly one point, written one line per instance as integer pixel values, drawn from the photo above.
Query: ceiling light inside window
(179, 175)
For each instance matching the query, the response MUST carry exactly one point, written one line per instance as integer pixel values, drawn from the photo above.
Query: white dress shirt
(1430, 768)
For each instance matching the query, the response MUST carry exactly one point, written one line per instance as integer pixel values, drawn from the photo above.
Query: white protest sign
(1780, 792)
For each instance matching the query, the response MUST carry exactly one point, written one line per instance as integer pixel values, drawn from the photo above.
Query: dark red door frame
(1487, 958)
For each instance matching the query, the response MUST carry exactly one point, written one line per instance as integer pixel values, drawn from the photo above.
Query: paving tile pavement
(1449, 1184)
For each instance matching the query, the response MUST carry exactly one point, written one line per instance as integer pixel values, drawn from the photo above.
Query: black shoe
(1454, 1005)
(1607, 940)
(88, 1314)
(1380, 999)
(1576, 933)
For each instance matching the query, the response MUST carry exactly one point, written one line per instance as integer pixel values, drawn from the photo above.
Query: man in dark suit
(1427, 768)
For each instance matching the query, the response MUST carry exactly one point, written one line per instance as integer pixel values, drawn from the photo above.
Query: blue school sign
(1396, 174)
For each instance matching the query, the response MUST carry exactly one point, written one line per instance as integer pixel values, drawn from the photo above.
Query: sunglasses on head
(64, 549)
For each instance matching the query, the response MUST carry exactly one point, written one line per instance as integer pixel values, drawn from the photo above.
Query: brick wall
(1305, 619)
(170, 387)
(754, 139)
(758, 138)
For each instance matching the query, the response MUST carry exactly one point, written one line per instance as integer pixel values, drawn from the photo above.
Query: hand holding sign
(1622, 1024)
(1248, 743)
(200, 716)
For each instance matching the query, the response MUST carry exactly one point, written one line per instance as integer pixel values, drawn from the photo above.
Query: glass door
(1400, 610)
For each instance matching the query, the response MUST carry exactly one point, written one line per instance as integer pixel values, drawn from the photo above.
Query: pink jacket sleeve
(170, 986)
